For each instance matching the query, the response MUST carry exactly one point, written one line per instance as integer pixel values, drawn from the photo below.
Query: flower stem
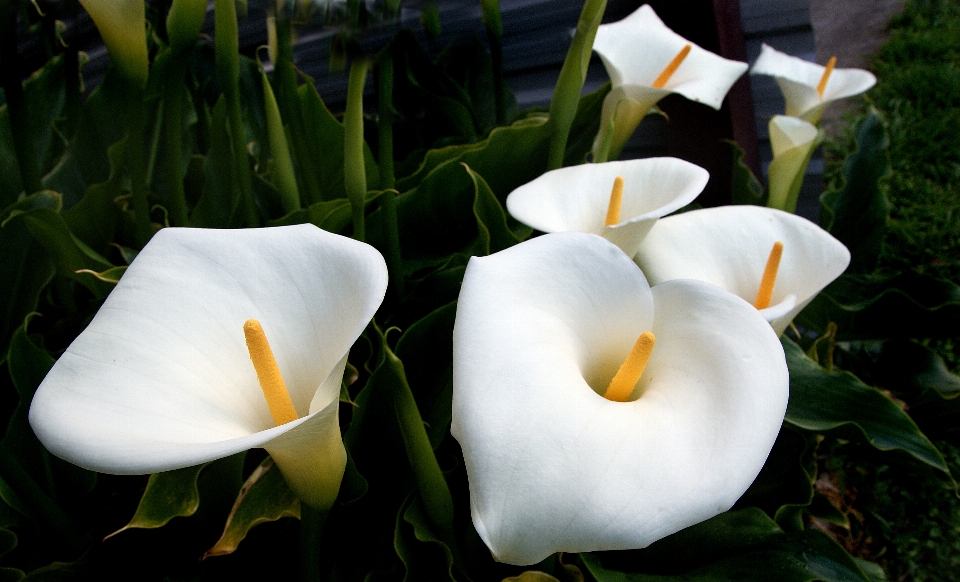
(566, 95)
(227, 49)
(311, 531)
(389, 199)
(136, 163)
(494, 24)
(354, 172)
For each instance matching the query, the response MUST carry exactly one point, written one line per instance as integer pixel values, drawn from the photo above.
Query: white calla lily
(636, 51)
(577, 198)
(162, 379)
(554, 466)
(729, 247)
(799, 80)
(793, 141)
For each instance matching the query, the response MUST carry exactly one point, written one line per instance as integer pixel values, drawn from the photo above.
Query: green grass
(911, 522)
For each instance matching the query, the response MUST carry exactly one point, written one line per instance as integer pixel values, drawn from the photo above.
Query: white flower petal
(635, 51)
(728, 247)
(576, 198)
(554, 466)
(161, 377)
(793, 142)
(798, 79)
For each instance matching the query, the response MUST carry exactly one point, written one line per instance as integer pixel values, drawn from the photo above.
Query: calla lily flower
(806, 92)
(553, 465)
(161, 378)
(639, 53)
(793, 141)
(122, 24)
(729, 246)
(577, 198)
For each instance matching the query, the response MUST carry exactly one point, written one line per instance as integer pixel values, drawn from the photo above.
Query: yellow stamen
(630, 371)
(616, 198)
(670, 69)
(268, 373)
(826, 76)
(765, 293)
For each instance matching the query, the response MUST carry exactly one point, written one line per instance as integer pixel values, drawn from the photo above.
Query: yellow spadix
(616, 200)
(822, 85)
(268, 373)
(765, 293)
(632, 368)
(671, 68)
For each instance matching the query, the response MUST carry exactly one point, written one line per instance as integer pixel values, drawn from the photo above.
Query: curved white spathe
(793, 141)
(576, 198)
(728, 246)
(553, 466)
(635, 51)
(161, 378)
(798, 80)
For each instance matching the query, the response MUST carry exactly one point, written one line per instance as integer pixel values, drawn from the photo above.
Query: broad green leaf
(531, 576)
(743, 545)
(881, 307)
(93, 220)
(585, 126)
(219, 205)
(27, 270)
(330, 215)
(325, 140)
(453, 210)
(8, 542)
(44, 94)
(11, 186)
(85, 161)
(857, 213)
(821, 400)
(905, 367)
(786, 480)
(264, 497)
(427, 350)
(28, 365)
(745, 188)
(430, 483)
(69, 253)
(526, 139)
(423, 554)
(168, 495)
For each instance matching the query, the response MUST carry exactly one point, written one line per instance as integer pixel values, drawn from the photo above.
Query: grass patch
(911, 521)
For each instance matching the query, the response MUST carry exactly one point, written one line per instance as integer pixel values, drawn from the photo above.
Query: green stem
(71, 70)
(25, 148)
(173, 141)
(227, 48)
(136, 163)
(566, 95)
(493, 22)
(389, 199)
(354, 172)
(311, 531)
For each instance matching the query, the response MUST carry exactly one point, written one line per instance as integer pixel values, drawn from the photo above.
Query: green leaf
(29, 364)
(27, 270)
(85, 161)
(786, 480)
(744, 545)
(857, 213)
(264, 497)
(330, 215)
(427, 349)
(324, 136)
(8, 542)
(69, 254)
(430, 483)
(93, 220)
(219, 204)
(880, 307)
(431, 560)
(822, 400)
(745, 188)
(168, 495)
